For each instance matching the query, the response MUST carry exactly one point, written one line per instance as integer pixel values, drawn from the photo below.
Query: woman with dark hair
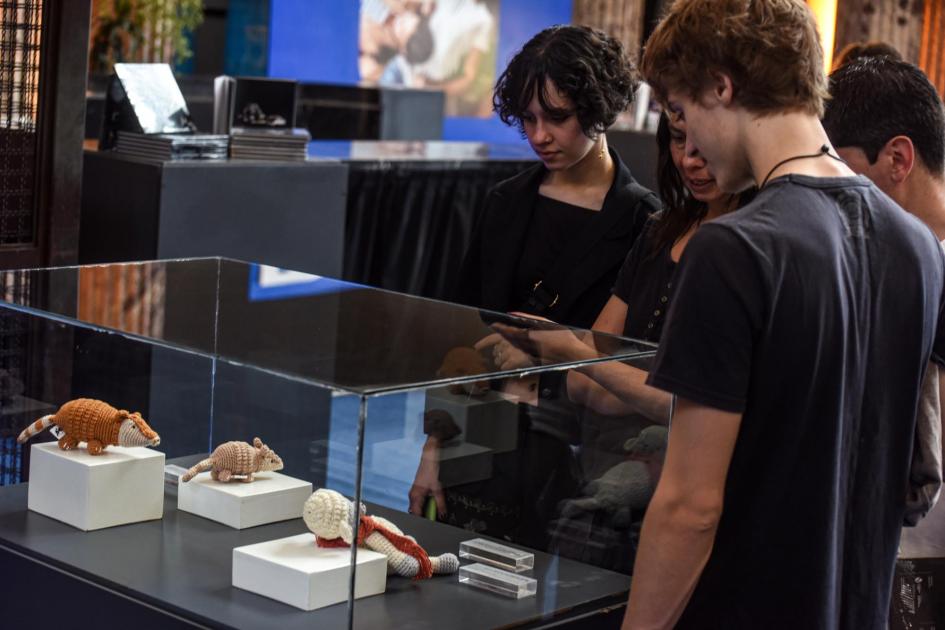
(644, 288)
(550, 240)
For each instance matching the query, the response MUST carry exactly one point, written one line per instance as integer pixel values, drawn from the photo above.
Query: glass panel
(557, 467)
(49, 363)
(335, 333)
(450, 424)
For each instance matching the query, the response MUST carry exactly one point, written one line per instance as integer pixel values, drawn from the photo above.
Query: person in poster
(444, 44)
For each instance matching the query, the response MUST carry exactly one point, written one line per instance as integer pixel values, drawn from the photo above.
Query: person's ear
(898, 157)
(721, 89)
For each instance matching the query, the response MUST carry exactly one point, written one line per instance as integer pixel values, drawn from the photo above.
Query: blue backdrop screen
(317, 40)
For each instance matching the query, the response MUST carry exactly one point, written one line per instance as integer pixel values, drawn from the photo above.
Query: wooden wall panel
(932, 51)
(915, 27)
(621, 19)
(126, 297)
(896, 22)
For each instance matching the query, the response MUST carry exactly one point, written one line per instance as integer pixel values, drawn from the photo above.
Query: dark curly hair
(586, 65)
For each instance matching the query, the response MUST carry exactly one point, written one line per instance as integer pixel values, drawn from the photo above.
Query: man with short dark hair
(800, 332)
(888, 122)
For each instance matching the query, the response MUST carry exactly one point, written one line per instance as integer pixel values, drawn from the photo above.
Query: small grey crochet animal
(237, 460)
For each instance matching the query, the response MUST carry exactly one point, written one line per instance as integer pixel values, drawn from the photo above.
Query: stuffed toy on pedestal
(329, 514)
(237, 460)
(96, 423)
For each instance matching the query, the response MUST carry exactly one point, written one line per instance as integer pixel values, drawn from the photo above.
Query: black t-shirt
(554, 225)
(645, 284)
(813, 312)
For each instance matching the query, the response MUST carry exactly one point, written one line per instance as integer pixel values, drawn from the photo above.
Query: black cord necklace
(824, 150)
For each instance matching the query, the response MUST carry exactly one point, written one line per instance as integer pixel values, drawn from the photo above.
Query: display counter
(290, 215)
(253, 374)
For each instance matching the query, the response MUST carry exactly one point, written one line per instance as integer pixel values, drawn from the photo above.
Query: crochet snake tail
(206, 464)
(37, 427)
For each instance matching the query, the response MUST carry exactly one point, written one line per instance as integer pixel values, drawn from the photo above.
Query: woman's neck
(596, 169)
(720, 206)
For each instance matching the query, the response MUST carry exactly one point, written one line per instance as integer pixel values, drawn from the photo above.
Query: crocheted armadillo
(328, 514)
(232, 460)
(96, 423)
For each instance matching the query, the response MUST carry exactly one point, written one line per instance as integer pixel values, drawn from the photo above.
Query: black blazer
(488, 269)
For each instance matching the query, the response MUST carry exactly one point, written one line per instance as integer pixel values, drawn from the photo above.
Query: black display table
(286, 214)
(176, 572)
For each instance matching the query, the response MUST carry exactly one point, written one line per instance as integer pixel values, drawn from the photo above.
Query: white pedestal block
(297, 572)
(120, 486)
(269, 498)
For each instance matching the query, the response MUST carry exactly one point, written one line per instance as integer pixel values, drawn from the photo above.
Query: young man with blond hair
(801, 330)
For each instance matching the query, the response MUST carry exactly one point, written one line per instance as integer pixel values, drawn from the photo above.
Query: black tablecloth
(409, 223)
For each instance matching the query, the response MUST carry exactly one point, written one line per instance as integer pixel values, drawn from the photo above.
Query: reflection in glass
(123, 297)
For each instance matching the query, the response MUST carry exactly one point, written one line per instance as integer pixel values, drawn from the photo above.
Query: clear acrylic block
(172, 474)
(493, 553)
(498, 581)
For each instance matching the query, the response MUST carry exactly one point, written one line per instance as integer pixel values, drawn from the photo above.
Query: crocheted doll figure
(328, 514)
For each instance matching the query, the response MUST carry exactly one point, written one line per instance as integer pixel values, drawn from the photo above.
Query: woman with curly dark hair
(550, 240)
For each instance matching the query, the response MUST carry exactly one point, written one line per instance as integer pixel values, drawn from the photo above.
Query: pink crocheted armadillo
(236, 460)
(328, 514)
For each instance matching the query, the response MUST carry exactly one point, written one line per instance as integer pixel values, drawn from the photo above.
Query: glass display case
(526, 449)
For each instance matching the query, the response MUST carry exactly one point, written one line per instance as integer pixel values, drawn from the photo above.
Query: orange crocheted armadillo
(236, 460)
(96, 423)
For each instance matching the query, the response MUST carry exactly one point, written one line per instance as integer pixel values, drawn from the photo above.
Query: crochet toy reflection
(96, 423)
(328, 514)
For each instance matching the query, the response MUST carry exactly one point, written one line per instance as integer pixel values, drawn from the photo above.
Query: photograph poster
(448, 45)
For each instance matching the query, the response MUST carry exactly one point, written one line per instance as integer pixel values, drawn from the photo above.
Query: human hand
(505, 355)
(546, 345)
(426, 483)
